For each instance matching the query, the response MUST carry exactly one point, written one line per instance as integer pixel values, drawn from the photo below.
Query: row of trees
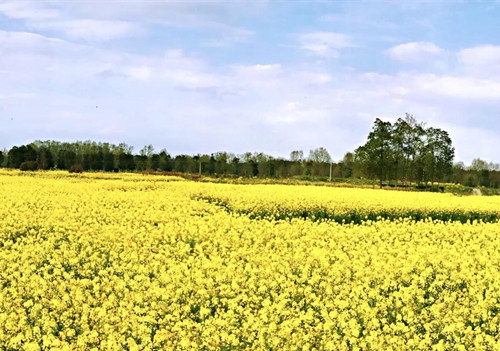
(405, 151)
(109, 157)
(479, 173)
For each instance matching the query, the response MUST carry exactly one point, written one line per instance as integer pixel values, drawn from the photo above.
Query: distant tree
(165, 161)
(481, 169)
(400, 146)
(279, 167)
(295, 167)
(146, 154)
(308, 167)
(155, 161)
(18, 155)
(265, 166)
(320, 155)
(494, 179)
(377, 153)
(347, 165)
(438, 154)
(126, 162)
(406, 150)
(297, 156)
(484, 177)
(494, 166)
(44, 158)
(248, 166)
(108, 164)
(123, 147)
(479, 165)
(408, 142)
(210, 165)
(98, 160)
(458, 173)
(147, 151)
(235, 166)
(185, 163)
(66, 158)
(221, 162)
(141, 162)
(86, 161)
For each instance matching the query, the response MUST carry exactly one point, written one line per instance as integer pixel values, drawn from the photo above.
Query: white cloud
(25, 41)
(176, 99)
(481, 61)
(180, 100)
(326, 44)
(28, 10)
(230, 36)
(170, 12)
(90, 29)
(480, 55)
(99, 21)
(465, 88)
(415, 51)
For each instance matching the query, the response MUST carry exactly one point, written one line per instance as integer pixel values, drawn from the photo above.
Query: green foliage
(320, 155)
(377, 154)
(18, 155)
(406, 151)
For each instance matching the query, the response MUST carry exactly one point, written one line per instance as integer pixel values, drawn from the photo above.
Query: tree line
(93, 156)
(403, 152)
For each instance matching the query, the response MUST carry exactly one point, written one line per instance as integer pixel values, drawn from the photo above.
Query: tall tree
(221, 162)
(320, 155)
(479, 165)
(347, 165)
(408, 143)
(438, 154)
(146, 154)
(296, 155)
(377, 152)
(165, 161)
(155, 161)
(107, 158)
(44, 158)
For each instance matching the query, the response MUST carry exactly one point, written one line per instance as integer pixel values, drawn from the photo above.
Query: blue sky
(237, 76)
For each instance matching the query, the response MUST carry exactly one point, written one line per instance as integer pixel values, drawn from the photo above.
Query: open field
(348, 205)
(126, 261)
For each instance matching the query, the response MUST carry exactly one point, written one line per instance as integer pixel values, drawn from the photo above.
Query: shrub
(76, 169)
(28, 166)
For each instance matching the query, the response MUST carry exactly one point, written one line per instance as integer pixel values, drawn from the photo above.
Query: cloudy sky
(270, 76)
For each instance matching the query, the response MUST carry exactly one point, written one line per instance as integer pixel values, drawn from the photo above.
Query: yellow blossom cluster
(136, 262)
(346, 205)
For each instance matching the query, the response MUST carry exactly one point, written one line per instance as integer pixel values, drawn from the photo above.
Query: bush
(28, 166)
(76, 169)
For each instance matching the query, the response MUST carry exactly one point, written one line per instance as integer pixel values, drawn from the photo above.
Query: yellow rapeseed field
(135, 262)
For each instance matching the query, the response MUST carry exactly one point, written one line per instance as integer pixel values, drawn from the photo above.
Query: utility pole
(331, 164)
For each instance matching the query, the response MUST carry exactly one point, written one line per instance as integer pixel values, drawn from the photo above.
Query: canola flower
(345, 205)
(113, 262)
